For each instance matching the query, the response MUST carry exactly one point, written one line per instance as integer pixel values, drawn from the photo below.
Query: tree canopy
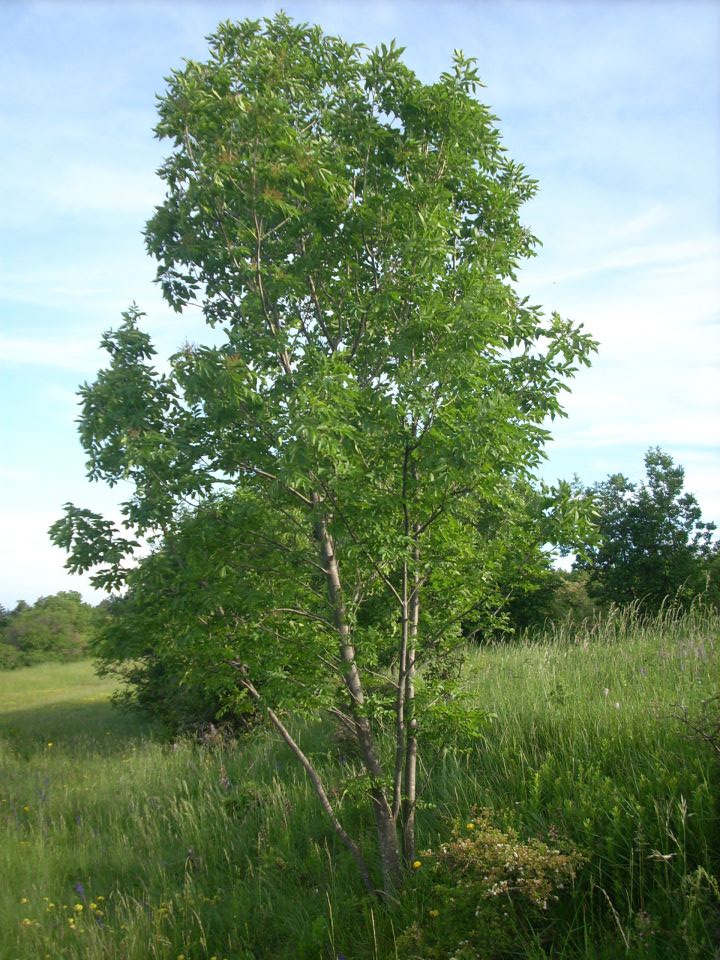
(653, 544)
(375, 389)
(57, 627)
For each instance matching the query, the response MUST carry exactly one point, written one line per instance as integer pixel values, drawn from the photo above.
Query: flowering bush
(482, 890)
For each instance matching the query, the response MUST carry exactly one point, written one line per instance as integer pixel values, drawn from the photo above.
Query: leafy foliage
(653, 545)
(198, 605)
(533, 526)
(59, 627)
(483, 890)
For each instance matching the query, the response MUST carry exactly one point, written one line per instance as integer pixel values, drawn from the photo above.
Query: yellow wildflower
(434, 913)
(417, 864)
(78, 908)
(24, 900)
(470, 826)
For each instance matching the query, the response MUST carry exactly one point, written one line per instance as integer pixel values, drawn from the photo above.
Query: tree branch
(313, 775)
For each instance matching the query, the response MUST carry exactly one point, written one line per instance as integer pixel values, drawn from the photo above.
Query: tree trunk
(386, 830)
(411, 722)
(400, 699)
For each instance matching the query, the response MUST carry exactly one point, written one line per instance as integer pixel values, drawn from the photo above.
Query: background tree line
(59, 627)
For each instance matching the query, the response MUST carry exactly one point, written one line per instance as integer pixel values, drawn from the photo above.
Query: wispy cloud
(680, 257)
(675, 431)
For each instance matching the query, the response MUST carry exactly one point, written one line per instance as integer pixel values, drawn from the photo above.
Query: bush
(59, 627)
(484, 889)
(161, 680)
(156, 688)
(11, 658)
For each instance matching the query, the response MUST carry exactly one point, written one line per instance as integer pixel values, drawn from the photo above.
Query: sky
(614, 107)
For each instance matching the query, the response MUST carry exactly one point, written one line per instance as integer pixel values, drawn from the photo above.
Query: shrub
(482, 890)
(11, 658)
(156, 687)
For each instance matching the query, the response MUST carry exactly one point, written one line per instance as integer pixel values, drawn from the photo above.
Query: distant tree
(549, 596)
(10, 656)
(353, 236)
(4, 620)
(571, 600)
(58, 627)
(711, 572)
(653, 544)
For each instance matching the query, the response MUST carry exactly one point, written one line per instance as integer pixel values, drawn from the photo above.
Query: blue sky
(614, 107)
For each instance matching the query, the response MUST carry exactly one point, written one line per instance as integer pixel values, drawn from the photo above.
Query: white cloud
(680, 257)
(14, 474)
(644, 433)
(29, 561)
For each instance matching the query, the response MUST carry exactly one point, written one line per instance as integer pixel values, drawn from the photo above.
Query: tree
(653, 544)
(59, 627)
(352, 235)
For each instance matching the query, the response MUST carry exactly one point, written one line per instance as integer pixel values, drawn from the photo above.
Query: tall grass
(116, 845)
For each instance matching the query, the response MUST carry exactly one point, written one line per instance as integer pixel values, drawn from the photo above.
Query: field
(117, 845)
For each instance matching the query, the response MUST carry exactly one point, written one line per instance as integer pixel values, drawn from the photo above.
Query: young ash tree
(374, 384)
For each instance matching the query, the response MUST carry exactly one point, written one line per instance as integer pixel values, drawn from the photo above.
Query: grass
(120, 846)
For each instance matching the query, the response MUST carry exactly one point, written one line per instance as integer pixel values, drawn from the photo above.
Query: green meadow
(115, 844)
